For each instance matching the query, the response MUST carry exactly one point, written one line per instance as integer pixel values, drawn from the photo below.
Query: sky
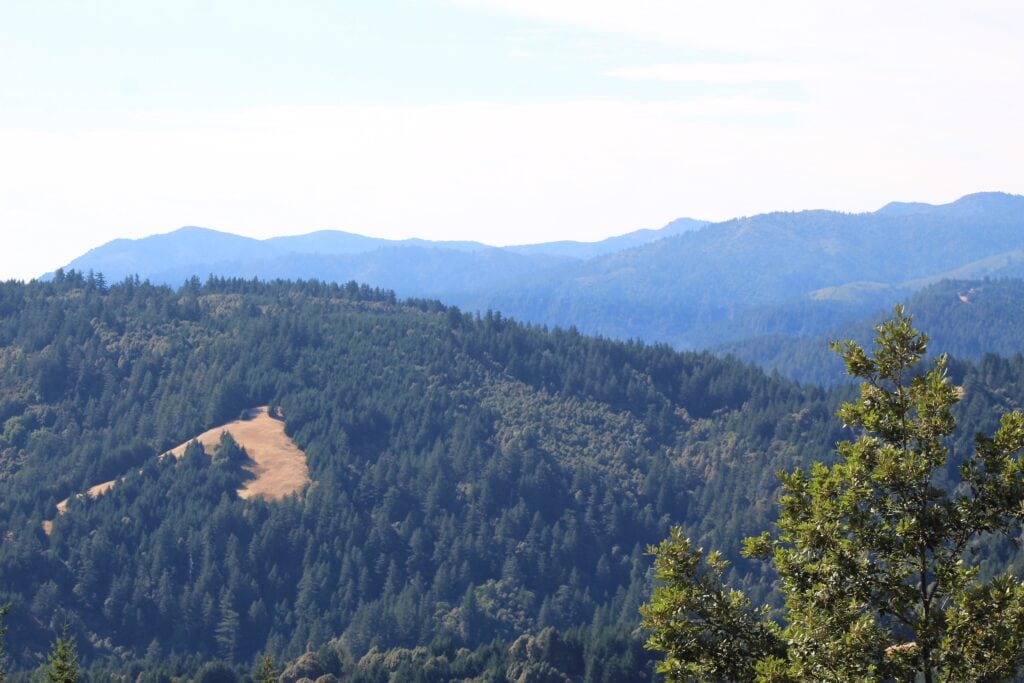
(502, 121)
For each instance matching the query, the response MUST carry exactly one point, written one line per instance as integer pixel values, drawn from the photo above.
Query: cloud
(740, 26)
(754, 27)
(878, 102)
(718, 73)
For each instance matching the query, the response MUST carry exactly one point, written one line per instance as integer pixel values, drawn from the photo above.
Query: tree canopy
(63, 660)
(3, 630)
(884, 558)
(473, 478)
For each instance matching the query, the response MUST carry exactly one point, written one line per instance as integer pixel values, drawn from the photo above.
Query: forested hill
(472, 478)
(414, 267)
(965, 318)
(778, 273)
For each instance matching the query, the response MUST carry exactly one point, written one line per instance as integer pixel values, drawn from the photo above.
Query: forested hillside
(414, 267)
(473, 479)
(965, 318)
(778, 273)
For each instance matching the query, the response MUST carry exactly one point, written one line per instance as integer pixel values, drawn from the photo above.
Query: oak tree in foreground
(874, 553)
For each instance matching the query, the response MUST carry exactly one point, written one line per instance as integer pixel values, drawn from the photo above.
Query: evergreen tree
(63, 662)
(227, 631)
(268, 672)
(874, 552)
(3, 631)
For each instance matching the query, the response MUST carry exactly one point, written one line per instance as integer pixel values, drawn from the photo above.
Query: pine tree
(3, 631)
(227, 633)
(63, 662)
(268, 672)
(874, 552)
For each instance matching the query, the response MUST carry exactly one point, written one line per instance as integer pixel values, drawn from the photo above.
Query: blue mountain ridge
(691, 284)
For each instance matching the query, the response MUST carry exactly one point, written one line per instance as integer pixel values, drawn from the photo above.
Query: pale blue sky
(222, 55)
(504, 121)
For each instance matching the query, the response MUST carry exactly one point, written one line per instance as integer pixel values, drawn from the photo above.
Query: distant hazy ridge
(691, 284)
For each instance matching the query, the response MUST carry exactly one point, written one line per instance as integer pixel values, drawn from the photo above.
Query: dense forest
(482, 491)
(964, 318)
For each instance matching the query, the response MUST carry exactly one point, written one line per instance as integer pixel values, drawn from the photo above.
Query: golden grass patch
(278, 465)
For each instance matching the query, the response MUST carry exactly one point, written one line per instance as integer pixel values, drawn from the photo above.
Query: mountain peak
(987, 200)
(904, 208)
(974, 201)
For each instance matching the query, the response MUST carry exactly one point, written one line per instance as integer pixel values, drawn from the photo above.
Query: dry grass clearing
(279, 465)
(92, 492)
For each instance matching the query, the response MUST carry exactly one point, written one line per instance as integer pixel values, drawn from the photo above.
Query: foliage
(874, 553)
(268, 671)
(473, 478)
(591, 655)
(710, 631)
(63, 660)
(3, 631)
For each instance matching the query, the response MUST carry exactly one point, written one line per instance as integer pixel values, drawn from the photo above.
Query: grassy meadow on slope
(277, 465)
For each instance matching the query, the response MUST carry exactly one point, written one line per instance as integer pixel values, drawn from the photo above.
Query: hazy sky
(504, 121)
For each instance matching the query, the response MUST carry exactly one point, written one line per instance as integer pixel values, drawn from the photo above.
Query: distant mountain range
(691, 284)
(410, 266)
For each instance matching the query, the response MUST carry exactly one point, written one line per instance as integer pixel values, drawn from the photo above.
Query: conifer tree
(228, 629)
(63, 661)
(3, 631)
(875, 553)
(268, 672)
